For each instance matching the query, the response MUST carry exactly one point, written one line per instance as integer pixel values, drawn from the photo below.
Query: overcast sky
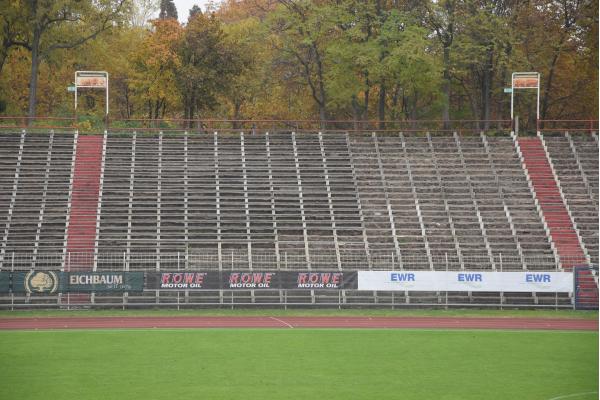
(183, 7)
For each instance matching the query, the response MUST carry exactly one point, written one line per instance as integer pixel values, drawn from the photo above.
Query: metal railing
(239, 259)
(89, 123)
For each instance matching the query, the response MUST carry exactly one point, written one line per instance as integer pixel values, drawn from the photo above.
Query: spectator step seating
(240, 201)
(555, 213)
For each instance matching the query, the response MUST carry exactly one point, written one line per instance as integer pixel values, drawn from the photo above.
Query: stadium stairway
(81, 231)
(547, 192)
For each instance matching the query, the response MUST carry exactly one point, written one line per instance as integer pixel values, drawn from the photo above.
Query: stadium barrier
(49, 282)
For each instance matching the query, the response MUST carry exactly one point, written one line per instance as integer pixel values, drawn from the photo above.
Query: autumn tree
(64, 24)
(156, 62)
(207, 66)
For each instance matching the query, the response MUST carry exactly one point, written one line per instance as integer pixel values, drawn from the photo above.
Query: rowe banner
(50, 282)
(240, 280)
(466, 281)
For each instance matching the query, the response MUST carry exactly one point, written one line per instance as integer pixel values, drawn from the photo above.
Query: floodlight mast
(94, 80)
(525, 80)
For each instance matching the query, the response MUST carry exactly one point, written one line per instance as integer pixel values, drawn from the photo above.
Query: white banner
(466, 281)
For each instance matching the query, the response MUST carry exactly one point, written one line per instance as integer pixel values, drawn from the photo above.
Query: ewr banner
(466, 281)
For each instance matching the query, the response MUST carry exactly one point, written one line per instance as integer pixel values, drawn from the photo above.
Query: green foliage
(207, 64)
(303, 59)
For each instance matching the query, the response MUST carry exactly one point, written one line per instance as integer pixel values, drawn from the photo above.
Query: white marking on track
(283, 322)
(573, 395)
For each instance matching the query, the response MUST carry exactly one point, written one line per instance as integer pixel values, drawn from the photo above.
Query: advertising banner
(50, 282)
(183, 280)
(526, 81)
(4, 282)
(37, 282)
(91, 80)
(466, 281)
(250, 280)
(244, 280)
(315, 280)
(104, 281)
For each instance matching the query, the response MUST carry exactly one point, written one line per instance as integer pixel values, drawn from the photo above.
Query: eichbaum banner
(466, 281)
(4, 282)
(104, 281)
(51, 282)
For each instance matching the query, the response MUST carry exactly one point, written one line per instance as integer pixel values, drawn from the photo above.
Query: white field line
(570, 396)
(283, 322)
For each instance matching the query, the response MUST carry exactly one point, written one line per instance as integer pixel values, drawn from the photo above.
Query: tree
(156, 63)
(64, 24)
(142, 11)
(304, 29)
(440, 17)
(207, 64)
(193, 11)
(167, 10)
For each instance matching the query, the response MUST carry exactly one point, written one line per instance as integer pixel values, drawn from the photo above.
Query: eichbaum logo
(251, 280)
(96, 279)
(182, 280)
(319, 280)
(41, 282)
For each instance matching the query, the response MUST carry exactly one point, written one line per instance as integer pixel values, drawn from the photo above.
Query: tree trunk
(322, 94)
(487, 88)
(365, 115)
(237, 105)
(446, 88)
(381, 106)
(548, 86)
(355, 113)
(33, 78)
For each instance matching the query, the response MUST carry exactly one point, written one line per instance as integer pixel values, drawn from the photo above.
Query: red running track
(297, 322)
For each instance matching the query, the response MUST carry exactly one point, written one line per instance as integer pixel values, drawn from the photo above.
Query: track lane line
(283, 322)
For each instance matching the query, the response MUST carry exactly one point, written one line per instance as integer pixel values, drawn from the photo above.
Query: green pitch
(297, 364)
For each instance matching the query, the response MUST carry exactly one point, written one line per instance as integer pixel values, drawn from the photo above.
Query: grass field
(298, 364)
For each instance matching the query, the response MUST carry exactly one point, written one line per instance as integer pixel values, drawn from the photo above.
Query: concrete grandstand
(299, 201)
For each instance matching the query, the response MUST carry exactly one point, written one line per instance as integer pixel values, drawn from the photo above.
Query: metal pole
(512, 96)
(75, 97)
(538, 97)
